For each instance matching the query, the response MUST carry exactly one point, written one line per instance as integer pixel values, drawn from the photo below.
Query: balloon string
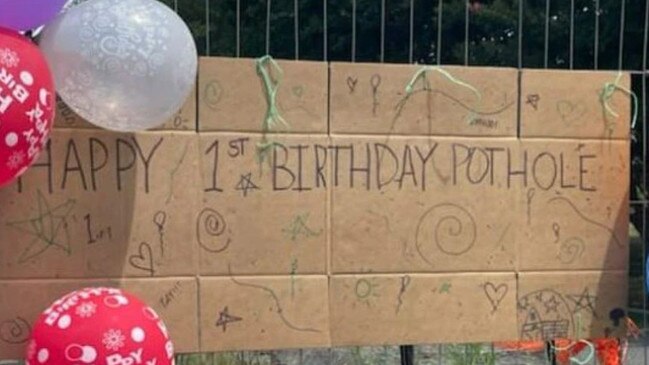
(422, 74)
(607, 93)
(265, 67)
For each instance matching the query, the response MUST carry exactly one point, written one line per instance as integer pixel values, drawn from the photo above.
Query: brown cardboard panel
(568, 104)
(422, 308)
(232, 96)
(424, 204)
(174, 299)
(184, 120)
(20, 305)
(371, 98)
(570, 304)
(582, 222)
(100, 204)
(258, 313)
(264, 217)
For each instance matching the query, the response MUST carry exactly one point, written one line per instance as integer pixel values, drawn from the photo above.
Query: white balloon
(124, 65)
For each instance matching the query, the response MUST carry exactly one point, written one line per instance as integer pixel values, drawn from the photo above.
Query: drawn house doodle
(544, 315)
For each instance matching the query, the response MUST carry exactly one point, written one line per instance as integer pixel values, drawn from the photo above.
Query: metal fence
(567, 34)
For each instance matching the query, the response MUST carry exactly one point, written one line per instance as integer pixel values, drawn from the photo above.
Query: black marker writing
(351, 84)
(215, 167)
(533, 100)
(99, 235)
(405, 282)
(530, 196)
(557, 231)
(160, 219)
(143, 259)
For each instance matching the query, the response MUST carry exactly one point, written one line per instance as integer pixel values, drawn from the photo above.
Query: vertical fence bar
(596, 50)
(412, 31)
(622, 26)
(324, 30)
(238, 28)
(296, 16)
(466, 33)
(521, 4)
(440, 12)
(268, 7)
(547, 34)
(645, 39)
(572, 34)
(407, 355)
(382, 52)
(176, 6)
(353, 30)
(207, 27)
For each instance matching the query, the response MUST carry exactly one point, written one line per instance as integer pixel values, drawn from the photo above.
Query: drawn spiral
(571, 250)
(15, 331)
(210, 228)
(451, 227)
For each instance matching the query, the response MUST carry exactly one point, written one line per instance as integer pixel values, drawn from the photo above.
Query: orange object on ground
(607, 350)
(528, 346)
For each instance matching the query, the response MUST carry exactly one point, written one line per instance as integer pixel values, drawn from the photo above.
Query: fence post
(407, 355)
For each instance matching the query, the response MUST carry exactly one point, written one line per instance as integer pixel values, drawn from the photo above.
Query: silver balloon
(123, 65)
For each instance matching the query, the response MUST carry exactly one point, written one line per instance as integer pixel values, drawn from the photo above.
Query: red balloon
(27, 104)
(99, 326)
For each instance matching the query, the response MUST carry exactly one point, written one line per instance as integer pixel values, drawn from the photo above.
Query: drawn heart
(351, 83)
(495, 294)
(143, 260)
(298, 91)
(569, 111)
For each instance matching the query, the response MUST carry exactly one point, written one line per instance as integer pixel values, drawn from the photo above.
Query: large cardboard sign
(396, 205)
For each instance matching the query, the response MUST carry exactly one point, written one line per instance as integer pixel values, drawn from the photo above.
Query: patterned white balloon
(123, 65)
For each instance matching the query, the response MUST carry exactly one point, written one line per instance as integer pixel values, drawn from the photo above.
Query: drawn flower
(16, 160)
(113, 340)
(9, 58)
(86, 309)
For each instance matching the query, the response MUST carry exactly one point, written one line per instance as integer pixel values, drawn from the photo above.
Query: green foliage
(229, 358)
(473, 354)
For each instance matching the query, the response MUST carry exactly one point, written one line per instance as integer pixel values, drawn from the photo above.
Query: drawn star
(299, 228)
(523, 303)
(533, 100)
(225, 318)
(551, 305)
(246, 185)
(446, 288)
(584, 301)
(49, 228)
